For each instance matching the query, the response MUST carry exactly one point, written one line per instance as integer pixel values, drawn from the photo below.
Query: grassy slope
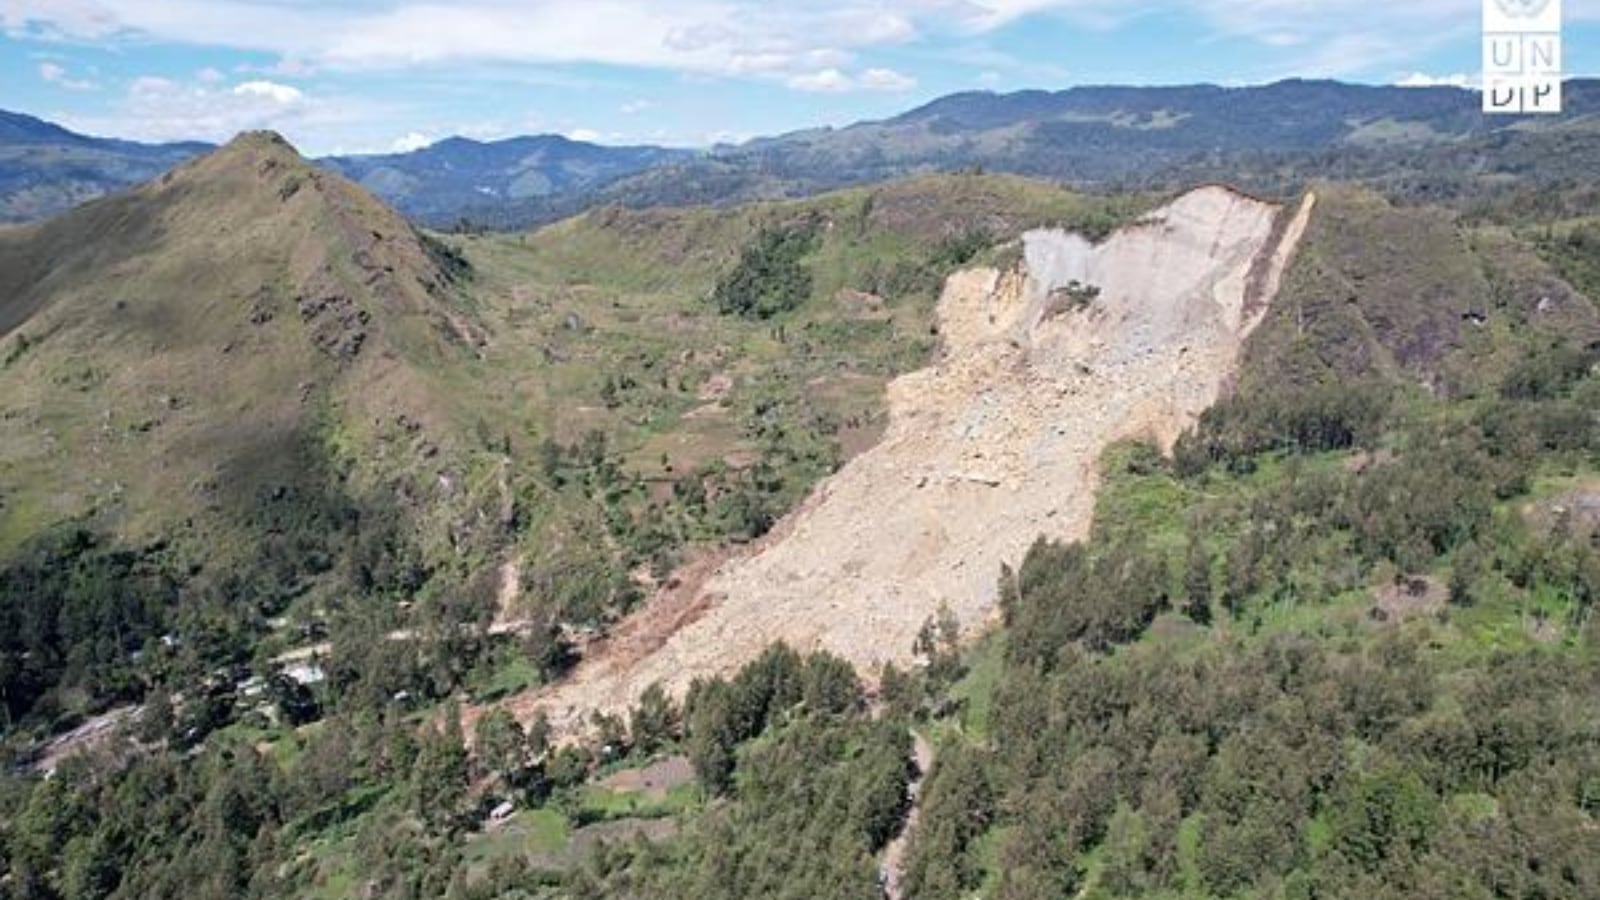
(161, 364)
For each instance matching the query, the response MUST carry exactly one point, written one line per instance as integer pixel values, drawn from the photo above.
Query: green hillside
(271, 452)
(251, 387)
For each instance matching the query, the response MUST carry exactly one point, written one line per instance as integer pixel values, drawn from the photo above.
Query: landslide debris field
(1043, 365)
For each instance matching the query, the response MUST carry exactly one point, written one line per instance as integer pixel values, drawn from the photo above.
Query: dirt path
(94, 732)
(892, 871)
(996, 444)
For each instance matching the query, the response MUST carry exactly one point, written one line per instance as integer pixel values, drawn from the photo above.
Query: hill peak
(266, 153)
(259, 141)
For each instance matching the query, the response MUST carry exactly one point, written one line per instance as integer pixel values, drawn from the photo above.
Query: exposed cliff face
(993, 446)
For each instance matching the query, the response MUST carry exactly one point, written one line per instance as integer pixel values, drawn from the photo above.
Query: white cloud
(156, 108)
(210, 75)
(586, 135)
(825, 81)
(1423, 79)
(288, 67)
(410, 141)
(746, 38)
(58, 75)
(634, 107)
(835, 81)
(714, 37)
(886, 80)
(1283, 39)
(726, 137)
(281, 94)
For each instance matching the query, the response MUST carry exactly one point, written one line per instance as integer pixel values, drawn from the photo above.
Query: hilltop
(228, 393)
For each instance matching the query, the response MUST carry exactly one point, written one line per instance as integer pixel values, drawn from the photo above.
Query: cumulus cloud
(835, 81)
(281, 94)
(586, 135)
(886, 80)
(715, 37)
(156, 108)
(57, 74)
(1423, 79)
(410, 141)
(748, 38)
(826, 81)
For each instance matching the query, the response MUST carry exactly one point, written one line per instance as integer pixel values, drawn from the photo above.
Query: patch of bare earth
(95, 733)
(654, 780)
(1408, 597)
(1543, 629)
(993, 446)
(1575, 513)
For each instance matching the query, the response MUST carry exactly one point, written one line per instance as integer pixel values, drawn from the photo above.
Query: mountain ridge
(1098, 136)
(243, 300)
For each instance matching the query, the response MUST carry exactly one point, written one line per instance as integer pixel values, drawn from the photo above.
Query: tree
(1467, 567)
(537, 736)
(439, 774)
(900, 691)
(1197, 582)
(770, 277)
(1378, 814)
(156, 721)
(711, 735)
(1124, 871)
(829, 686)
(500, 745)
(569, 767)
(611, 733)
(653, 722)
(294, 701)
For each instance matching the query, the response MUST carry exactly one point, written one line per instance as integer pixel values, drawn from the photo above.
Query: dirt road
(892, 871)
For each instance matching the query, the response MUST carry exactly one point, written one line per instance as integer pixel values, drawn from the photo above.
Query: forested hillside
(1339, 642)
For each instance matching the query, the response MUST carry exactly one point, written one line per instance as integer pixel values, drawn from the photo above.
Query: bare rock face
(995, 445)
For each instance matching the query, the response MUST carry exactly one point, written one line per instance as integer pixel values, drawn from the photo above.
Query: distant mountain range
(435, 184)
(46, 169)
(1118, 137)
(1088, 136)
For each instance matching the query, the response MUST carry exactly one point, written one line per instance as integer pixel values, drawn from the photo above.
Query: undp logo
(1522, 56)
(1523, 9)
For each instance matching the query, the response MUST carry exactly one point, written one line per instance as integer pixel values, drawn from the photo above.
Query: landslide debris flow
(988, 449)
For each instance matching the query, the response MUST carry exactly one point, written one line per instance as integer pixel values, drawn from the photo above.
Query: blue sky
(375, 75)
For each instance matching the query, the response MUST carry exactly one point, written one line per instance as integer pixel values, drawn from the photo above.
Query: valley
(948, 535)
